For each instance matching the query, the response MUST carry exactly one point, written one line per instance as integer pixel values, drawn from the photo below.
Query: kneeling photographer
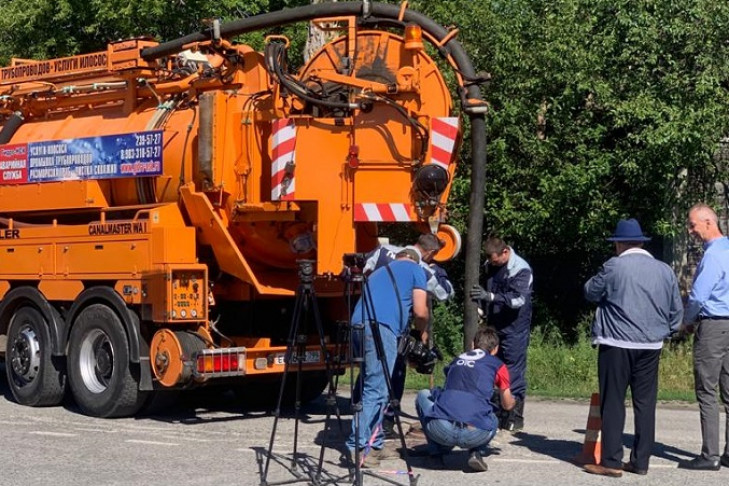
(461, 414)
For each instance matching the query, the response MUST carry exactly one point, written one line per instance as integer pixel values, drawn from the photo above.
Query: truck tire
(101, 376)
(35, 377)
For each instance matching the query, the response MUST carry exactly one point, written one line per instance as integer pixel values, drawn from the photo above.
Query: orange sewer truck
(155, 199)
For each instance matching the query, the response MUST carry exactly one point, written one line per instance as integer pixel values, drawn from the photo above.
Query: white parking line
(106, 431)
(53, 434)
(279, 449)
(151, 442)
(15, 422)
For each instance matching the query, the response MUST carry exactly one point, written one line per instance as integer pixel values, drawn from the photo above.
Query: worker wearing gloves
(506, 302)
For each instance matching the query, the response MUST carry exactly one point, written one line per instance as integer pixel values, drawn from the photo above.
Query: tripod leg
(357, 351)
(331, 384)
(293, 331)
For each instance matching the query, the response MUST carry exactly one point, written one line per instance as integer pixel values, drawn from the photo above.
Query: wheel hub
(25, 355)
(96, 361)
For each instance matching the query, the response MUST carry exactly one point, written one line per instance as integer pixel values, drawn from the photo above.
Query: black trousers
(618, 368)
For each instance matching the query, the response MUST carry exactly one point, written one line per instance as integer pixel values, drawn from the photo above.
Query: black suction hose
(10, 127)
(452, 48)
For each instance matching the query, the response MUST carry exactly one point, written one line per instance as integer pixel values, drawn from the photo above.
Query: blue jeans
(443, 435)
(374, 388)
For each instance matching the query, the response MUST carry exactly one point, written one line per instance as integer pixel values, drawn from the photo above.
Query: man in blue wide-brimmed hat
(638, 306)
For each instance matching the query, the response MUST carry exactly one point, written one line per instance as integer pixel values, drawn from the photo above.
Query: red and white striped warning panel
(443, 134)
(283, 163)
(384, 212)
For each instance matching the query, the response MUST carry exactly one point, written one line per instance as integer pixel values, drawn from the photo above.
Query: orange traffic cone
(592, 450)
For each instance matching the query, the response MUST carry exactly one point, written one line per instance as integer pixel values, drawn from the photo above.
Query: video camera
(418, 355)
(354, 260)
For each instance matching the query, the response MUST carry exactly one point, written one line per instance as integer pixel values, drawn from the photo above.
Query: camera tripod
(302, 469)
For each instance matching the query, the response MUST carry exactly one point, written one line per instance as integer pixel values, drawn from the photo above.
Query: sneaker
(476, 462)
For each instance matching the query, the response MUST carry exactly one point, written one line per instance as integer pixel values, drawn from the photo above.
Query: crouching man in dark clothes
(461, 414)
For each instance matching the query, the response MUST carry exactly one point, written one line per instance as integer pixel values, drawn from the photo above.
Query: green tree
(38, 29)
(600, 109)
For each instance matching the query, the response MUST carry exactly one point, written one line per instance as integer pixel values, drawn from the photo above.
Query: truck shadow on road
(207, 405)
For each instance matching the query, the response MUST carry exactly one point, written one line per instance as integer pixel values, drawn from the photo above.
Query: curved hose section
(471, 91)
(10, 127)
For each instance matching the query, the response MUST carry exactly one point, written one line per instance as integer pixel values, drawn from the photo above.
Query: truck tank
(155, 206)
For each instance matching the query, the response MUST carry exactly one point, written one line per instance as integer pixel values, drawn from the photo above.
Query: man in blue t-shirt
(393, 291)
(439, 288)
(461, 414)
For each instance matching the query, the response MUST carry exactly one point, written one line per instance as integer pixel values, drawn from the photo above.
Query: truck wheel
(35, 377)
(100, 373)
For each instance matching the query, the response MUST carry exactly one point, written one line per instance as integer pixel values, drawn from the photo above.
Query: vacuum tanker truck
(156, 200)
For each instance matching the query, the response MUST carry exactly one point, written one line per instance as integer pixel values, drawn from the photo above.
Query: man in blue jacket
(639, 305)
(506, 301)
(461, 414)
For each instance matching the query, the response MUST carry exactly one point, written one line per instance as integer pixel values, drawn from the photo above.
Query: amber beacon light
(413, 37)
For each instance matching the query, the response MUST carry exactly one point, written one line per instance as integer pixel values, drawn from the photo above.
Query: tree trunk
(316, 38)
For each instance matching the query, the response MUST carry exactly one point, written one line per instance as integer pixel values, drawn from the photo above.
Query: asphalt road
(212, 441)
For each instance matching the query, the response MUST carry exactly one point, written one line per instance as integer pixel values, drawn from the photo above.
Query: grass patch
(560, 370)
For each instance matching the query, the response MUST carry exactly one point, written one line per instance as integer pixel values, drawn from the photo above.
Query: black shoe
(388, 429)
(724, 460)
(630, 467)
(700, 464)
(476, 462)
(514, 425)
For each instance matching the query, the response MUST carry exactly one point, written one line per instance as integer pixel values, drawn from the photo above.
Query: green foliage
(558, 369)
(38, 29)
(676, 374)
(600, 109)
(448, 328)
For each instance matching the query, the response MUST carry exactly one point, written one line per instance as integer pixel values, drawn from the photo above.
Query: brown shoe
(371, 461)
(630, 467)
(603, 471)
(389, 451)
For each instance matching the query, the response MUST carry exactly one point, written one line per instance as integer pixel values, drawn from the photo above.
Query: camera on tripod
(354, 260)
(306, 270)
(418, 355)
